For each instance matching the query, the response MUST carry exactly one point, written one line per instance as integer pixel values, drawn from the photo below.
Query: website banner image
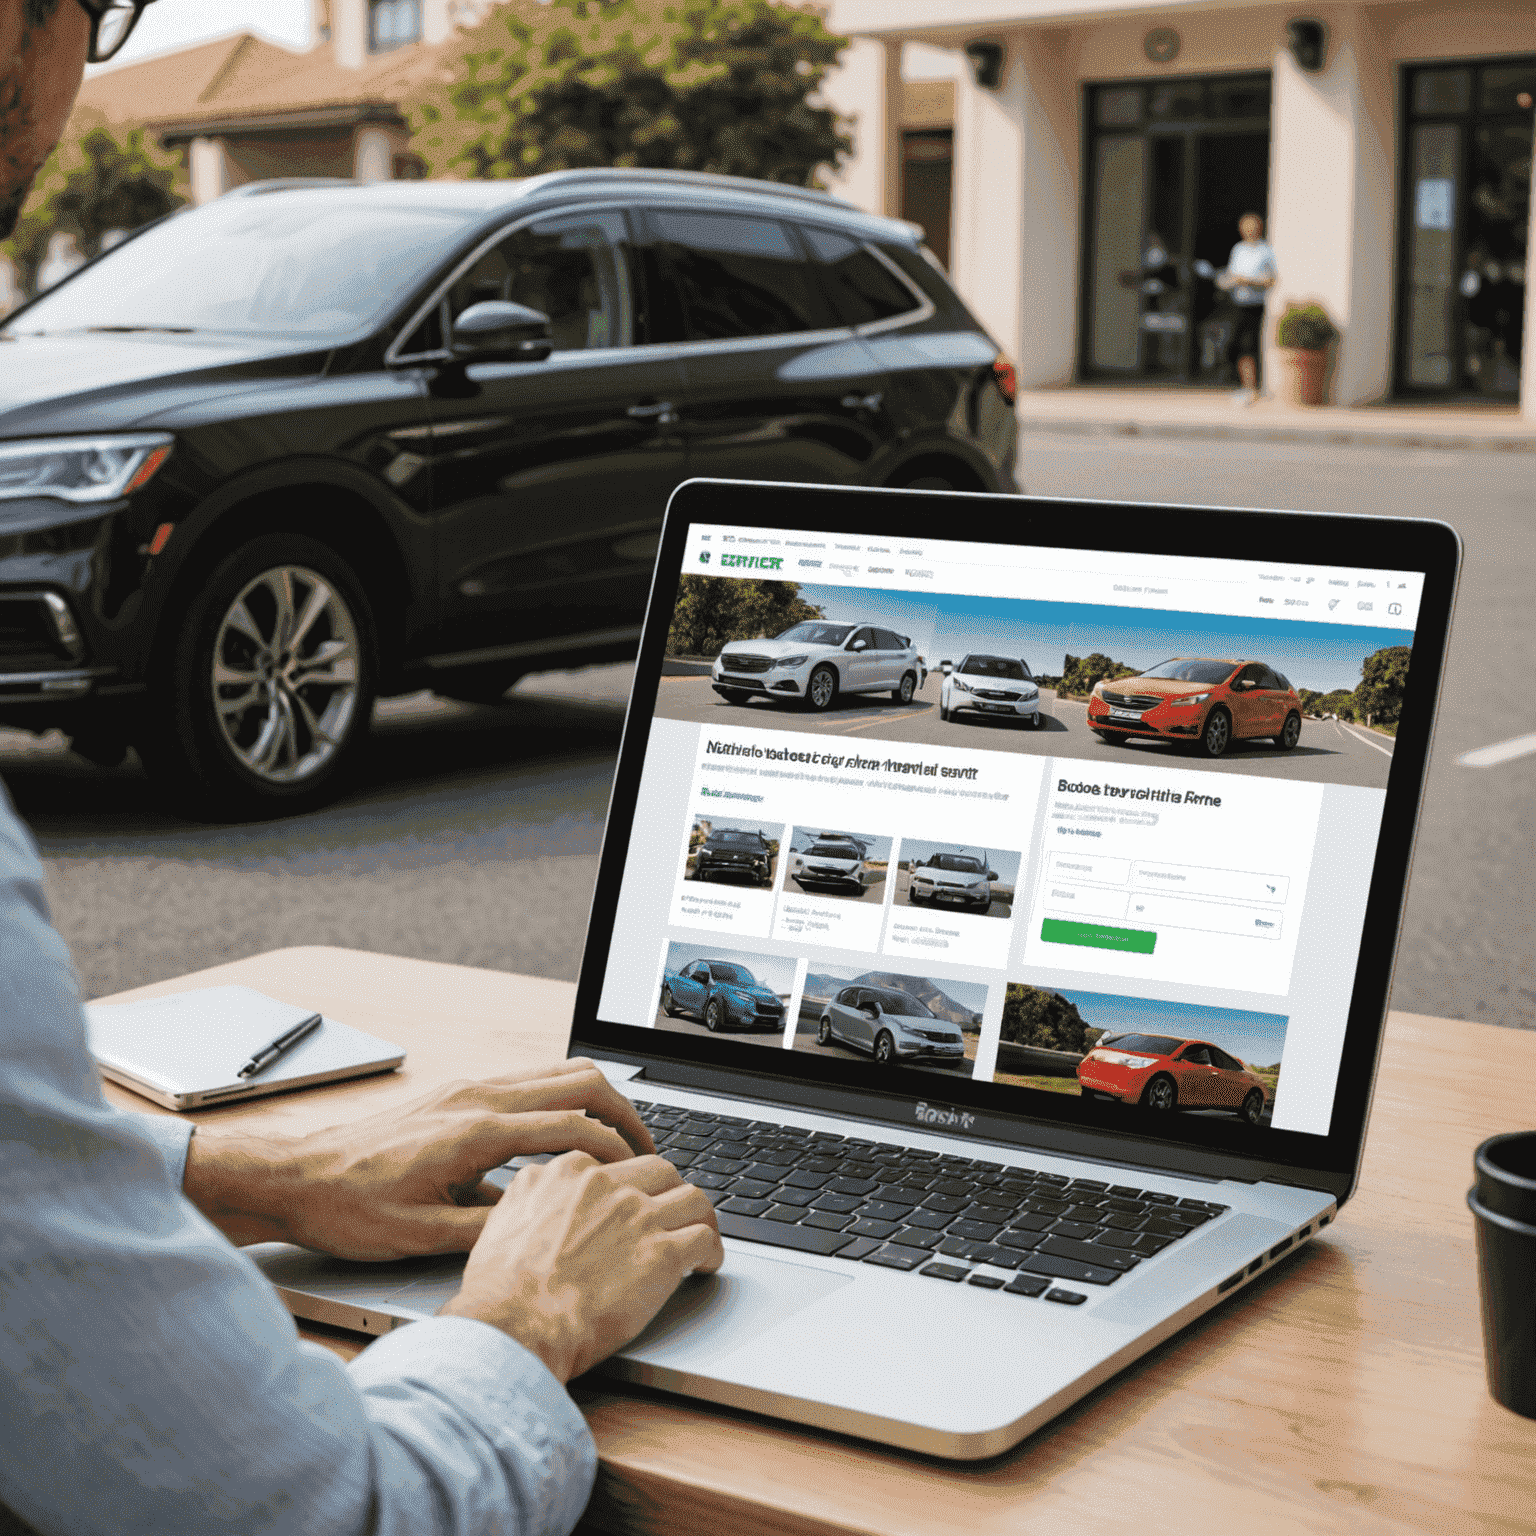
(1175, 1057)
(1279, 697)
(719, 990)
(740, 858)
(888, 1018)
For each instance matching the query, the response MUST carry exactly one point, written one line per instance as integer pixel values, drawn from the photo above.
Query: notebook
(185, 1050)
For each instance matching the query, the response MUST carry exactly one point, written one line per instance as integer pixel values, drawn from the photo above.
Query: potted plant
(1305, 333)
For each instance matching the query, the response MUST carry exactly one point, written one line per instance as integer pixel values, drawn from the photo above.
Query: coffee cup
(1503, 1202)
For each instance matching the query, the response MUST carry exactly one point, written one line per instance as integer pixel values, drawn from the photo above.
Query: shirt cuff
(493, 1385)
(170, 1138)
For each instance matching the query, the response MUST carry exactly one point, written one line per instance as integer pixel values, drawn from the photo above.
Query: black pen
(279, 1047)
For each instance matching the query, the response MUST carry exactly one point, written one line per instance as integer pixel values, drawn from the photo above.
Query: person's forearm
(244, 1184)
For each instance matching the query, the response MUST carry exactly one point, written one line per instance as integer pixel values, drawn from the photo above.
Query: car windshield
(995, 666)
(901, 1003)
(834, 850)
(296, 263)
(738, 837)
(1184, 670)
(956, 863)
(1146, 1045)
(722, 970)
(817, 634)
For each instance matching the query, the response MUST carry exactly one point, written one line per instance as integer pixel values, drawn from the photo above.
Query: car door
(1230, 1083)
(551, 477)
(860, 660)
(1276, 698)
(1248, 703)
(1197, 1088)
(893, 657)
(688, 994)
(776, 387)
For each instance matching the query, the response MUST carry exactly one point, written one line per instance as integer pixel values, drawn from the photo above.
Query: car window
(1197, 1054)
(1252, 673)
(1146, 1045)
(866, 635)
(1187, 670)
(1268, 679)
(724, 276)
(957, 863)
(901, 1004)
(862, 288)
(1226, 1063)
(570, 268)
(816, 634)
(723, 970)
(885, 640)
(994, 666)
(1282, 681)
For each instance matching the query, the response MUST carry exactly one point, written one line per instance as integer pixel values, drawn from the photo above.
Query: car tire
(1217, 735)
(714, 1016)
(1290, 732)
(824, 1032)
(903, 692)
(245, 724)
(1112, 738)
(1162, 1093)
(885, 1049)
(735, 695)
(1034, 721)
(668, 1003)
(1253, 1107)
(821, 689)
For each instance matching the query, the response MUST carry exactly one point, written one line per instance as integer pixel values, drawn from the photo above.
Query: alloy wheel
(1217, 733)
(822, 686)
(285, 674)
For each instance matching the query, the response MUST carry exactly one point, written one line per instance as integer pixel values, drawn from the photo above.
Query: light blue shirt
(151, 1383)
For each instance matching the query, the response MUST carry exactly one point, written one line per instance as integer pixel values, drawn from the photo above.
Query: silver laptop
(996, 916)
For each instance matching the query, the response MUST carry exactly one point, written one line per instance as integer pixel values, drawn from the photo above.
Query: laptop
(996, 916)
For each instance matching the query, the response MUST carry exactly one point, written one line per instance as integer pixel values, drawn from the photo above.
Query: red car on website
(1165, 1072)
(1203, 700)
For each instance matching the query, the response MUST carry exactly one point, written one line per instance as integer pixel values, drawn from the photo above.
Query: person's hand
(579, 1256)
(409, 1180)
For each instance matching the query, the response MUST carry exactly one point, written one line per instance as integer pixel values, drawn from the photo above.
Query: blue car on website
(723, 994)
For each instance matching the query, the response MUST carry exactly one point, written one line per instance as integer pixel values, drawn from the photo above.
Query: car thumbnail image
(738, 852)
(713, 991)
(1141, 1051)
(890, 1018)
(813, 662)
(829, 862)
(1202, 700)
(958, 877)
(982, 684)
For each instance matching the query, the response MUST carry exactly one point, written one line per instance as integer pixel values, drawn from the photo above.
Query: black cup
(1503, 1203)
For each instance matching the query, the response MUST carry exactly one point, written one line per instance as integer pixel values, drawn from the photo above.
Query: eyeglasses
(112, 21)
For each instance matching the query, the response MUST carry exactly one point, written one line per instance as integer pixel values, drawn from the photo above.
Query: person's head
(1251, 226)
(43, 45)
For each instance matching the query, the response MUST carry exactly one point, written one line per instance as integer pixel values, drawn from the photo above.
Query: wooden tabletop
(1342, 1391)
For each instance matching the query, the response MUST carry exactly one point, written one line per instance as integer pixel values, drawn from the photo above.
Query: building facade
(1099, 153)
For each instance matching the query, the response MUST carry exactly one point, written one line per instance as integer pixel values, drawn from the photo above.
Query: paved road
(475, 837)
(1326, 752)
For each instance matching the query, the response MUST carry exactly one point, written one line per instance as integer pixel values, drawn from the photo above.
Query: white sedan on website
(991, 685)
(813, 662)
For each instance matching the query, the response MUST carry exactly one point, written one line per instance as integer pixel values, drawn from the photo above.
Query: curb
(1329, 436)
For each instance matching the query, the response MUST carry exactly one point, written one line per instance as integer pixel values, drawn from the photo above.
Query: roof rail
(693, 179)
(288, 183)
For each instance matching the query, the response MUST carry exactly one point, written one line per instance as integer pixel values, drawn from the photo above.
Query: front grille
(29, 637)
(934, 1034)
(995, 693)
(1132, 700)
(747, 663)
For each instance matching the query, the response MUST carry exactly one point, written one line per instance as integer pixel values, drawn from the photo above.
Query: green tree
(1045, 1020)
(97, 180)
(1080, 673)
(713, 610)
(699, 85)
(1383, 676)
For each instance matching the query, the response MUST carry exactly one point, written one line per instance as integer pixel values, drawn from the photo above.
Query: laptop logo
(928, 1115)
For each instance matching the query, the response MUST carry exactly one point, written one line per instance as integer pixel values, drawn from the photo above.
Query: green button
(1135, 941)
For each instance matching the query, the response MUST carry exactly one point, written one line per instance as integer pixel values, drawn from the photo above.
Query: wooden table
(1342, 1392)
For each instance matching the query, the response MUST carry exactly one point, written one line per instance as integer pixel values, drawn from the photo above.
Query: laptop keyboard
(923, 1212)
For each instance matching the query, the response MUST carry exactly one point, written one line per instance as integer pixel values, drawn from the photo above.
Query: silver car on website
(890, 1024)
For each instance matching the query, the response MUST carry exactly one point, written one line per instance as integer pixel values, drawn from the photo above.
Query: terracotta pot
(1305, 376)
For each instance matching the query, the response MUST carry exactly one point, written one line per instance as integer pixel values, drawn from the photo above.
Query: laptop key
(1117, 1240)
(1088, 1253)
(987, 1282)
(884, 1210)
(1073, 1229)
(840, 1203)
(744, 1207)
(933, 1220)
(1025, 1285)
(797, 1178)
(1125, 1207)
(1157, 1199)
(1066, 1298)
(1115, 1222)
(706, 1180)
(1164, 1226)
(992, 1253)
(868, 1226)
(831, 1220)
(950, 1203)
(751, 1189)
(1064, 1269)
(958, 1247)
(844, 1186)
(1022, 1242)
(859, 1248)
(681, 1159)
(790, 1213)
(892, 1257)
(729, 1148)
(1088, 1213)
(1150, 1242)
(945, 1271)
(1050, 1207)
(981, 1231)
(1031, 1221)
(952, 1187)
(780, 1234)
(1125, 1191)
(795, 1196)
(691, 1143)
(897, 1194)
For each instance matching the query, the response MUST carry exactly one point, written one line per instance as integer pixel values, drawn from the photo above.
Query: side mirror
(870, 1010)
(495, 331)
(860, 645)
(946, 667)
(991, 874)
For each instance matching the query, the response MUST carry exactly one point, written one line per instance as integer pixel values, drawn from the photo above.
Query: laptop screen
(1092, 830)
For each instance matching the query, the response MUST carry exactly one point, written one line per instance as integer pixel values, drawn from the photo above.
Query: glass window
(1185, 670)
(1238, 98)
(886, 641)
(1145, 1045)
(1508, 88)
(1442, 90)
(734, 276)
(1225, 1062)
(864, 636)
(1117, 107)
(863, 288)
(428, 336)
(571, 269)
(1181, 100)
(1196, 1054)
(994, 666)
(393, 23)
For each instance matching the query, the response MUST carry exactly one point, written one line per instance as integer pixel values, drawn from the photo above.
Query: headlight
(963, 687)
(787, 663)
(82, 469)
(1030, 693)
(1123, 1059)
(1188, 699)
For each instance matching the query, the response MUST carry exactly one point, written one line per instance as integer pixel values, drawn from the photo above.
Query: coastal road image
(1329, 751)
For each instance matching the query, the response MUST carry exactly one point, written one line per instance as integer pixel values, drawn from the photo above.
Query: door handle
(862, 402)
(662, 412)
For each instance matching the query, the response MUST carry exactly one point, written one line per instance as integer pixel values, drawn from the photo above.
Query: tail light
(1005, 378)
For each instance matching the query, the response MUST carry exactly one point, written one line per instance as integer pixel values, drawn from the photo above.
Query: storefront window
(1118, 108)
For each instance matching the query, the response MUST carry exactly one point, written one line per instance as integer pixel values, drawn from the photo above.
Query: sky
(969, 994)
(172, 24)
(1258, 1038)
(944, 627)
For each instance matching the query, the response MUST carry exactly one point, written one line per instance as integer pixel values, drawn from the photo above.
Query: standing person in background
(1249, 275)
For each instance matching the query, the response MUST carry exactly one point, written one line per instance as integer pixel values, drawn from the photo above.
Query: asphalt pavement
(1326, 752)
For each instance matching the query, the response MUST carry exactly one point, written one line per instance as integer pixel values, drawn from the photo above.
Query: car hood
(773, 648)
(1163, 687)
(948, 876)
(760, 993)
(981, 680)
(832, 861)
(108, 381)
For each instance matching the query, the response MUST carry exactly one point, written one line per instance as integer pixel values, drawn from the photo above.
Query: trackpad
(708, 1316)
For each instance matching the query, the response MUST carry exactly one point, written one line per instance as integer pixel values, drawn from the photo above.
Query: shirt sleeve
(151, 1381)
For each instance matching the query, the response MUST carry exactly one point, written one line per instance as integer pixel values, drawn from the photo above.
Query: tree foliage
(1383, 677)
(1046, 1020)
(99, 179)
(699, 85)
(714, 610)
(1080, 673)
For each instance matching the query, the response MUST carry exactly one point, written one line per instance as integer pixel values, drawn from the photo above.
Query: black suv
(729, 852)
(316, 442)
